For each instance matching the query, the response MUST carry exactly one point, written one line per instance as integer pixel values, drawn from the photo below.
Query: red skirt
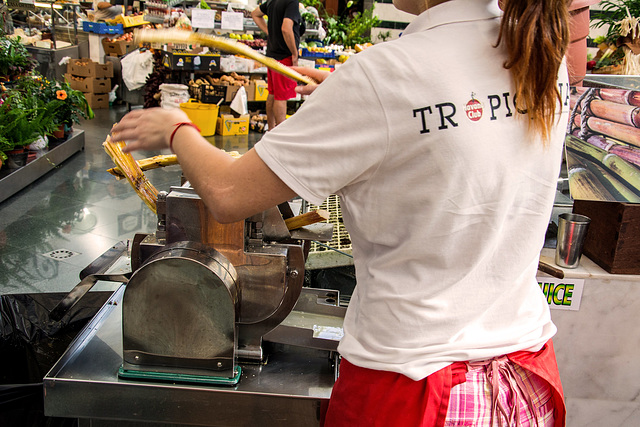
(366, 397)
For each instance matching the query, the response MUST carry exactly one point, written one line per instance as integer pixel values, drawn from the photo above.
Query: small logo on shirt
(473, 109)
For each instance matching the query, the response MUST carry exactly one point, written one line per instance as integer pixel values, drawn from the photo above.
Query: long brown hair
(536, 36)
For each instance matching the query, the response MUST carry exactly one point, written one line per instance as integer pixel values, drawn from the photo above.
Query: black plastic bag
(30, 344)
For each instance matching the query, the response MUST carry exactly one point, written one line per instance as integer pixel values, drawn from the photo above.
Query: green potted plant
(25, 116)
(69, 105)
(620, 47)
(15, 60)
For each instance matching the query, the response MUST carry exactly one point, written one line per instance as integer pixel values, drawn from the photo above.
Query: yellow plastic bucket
(202, 115)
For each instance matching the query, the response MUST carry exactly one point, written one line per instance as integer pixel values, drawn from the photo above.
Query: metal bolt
(293, 273)
(219, 364)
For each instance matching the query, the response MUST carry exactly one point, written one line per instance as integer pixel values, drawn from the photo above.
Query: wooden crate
(613, 239)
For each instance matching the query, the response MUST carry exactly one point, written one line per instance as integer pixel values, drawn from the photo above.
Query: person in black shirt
(283, 27)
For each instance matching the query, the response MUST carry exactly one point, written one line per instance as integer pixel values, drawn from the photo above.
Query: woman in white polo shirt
(445, 147)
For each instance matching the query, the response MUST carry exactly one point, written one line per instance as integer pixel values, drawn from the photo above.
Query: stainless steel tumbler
(572, 229)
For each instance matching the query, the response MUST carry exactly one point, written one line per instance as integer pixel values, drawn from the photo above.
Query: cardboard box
(97, 100)
(231, 92)
(232, 124)
(259, 90)
(85, 67)
(89, 84)
(613, 237)
(117, 48)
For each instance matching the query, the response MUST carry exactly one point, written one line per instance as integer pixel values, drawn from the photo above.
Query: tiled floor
(78, 211)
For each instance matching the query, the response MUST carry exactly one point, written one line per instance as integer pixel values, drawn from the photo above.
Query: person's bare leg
(271, 119)
(279, 111)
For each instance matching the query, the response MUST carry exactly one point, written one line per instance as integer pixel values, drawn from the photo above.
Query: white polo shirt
(445, 194)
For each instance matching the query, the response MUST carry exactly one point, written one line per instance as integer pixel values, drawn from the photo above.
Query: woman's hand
(317, 75)
(148, 129)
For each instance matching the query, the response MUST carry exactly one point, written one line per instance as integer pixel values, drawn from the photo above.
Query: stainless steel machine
(213, 327)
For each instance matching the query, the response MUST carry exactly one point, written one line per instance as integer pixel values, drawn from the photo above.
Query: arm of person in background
(103, 5)
(290, 39)
(232, 189)
(258, 18)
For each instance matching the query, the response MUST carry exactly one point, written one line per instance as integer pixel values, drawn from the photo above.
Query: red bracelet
(178, 126)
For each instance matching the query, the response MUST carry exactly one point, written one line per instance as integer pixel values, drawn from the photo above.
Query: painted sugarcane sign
(603, 145)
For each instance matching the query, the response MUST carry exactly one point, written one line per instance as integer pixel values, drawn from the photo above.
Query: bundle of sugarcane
(626, 173)
(132, 171)
(223, 44)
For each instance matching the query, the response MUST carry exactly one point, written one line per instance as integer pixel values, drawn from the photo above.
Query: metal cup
(572, 229)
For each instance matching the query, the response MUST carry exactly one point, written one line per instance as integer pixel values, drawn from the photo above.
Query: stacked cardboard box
(117, 48)
(231, 123)
(92, 78)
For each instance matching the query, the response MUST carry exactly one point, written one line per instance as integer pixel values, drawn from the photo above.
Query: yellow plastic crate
(128, 21)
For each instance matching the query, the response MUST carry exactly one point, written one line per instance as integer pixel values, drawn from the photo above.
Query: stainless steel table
(291, 389)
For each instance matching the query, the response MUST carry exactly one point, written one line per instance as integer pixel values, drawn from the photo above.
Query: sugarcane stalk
(223, 44)
(149, 163)
(306, 219)
(626, 172)
(628, 134)
(626, 152)
(584, 186)
(618, 113)
(613, 188)
(159, 162)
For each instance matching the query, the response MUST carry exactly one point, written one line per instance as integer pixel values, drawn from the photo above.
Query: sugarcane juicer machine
(202, 294)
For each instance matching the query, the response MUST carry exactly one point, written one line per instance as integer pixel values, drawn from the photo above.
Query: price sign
(232, 21)
(203, 18)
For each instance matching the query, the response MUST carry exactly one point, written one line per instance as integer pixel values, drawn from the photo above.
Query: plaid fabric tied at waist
(501, 369)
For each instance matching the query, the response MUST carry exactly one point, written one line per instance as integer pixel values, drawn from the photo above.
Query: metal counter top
(291, 389)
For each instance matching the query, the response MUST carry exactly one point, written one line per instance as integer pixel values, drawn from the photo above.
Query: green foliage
(349, 28)
(611, 13)
(19, 127)
(15, 60)
(384, 36)
(70, 105)
(614, 58)
(36, 107)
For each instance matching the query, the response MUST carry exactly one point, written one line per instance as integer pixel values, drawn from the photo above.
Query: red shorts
(365, 397)
(282, 88)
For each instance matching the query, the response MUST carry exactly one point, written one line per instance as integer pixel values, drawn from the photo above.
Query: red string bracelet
(178, 126)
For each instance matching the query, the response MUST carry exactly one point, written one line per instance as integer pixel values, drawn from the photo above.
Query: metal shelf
(12, 181)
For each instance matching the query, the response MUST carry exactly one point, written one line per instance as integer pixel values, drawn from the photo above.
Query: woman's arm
(232, 189)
